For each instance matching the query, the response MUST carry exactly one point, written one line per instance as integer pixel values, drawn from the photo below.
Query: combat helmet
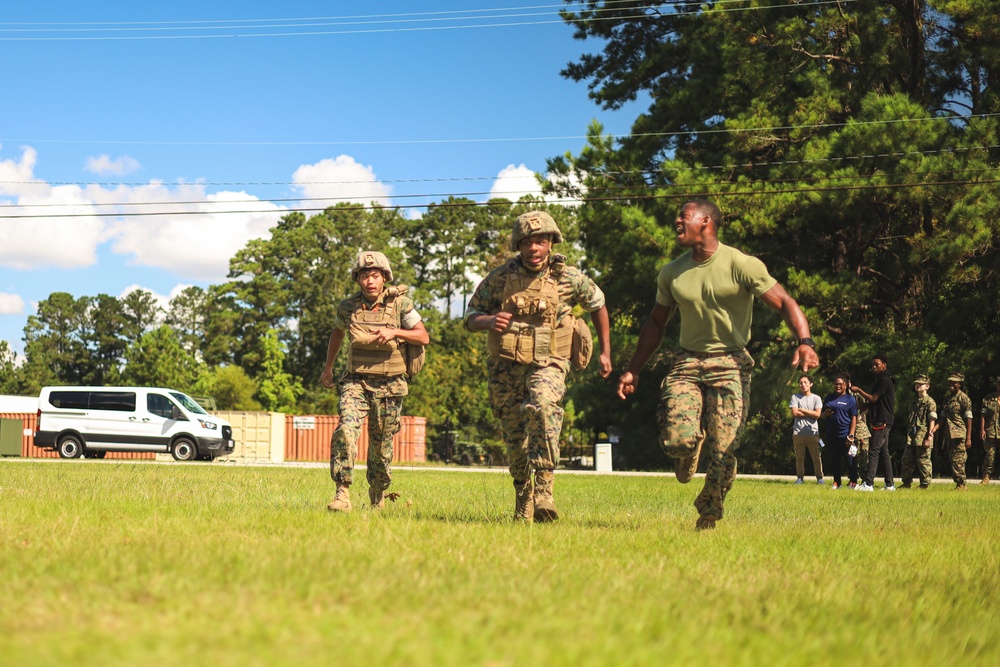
(533, 223)
(371, 259)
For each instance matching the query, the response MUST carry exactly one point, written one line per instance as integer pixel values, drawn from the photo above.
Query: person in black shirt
(880, 417)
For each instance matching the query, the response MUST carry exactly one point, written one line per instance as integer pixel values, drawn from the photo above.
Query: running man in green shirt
(705, 396)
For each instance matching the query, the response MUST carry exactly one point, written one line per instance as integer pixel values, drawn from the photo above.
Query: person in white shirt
(806, 407)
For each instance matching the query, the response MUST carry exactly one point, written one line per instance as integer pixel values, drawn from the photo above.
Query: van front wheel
(70, 447)
(184, 450)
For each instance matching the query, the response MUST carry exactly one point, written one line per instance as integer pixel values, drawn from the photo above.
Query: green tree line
(851, 145)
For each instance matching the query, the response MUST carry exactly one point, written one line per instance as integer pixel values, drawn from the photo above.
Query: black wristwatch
(808, 341)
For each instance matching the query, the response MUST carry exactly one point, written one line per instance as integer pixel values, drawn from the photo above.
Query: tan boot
(686, 467)
(342, 501)
(545, 506)
(376, 498)
(524, 503)
(986, 479)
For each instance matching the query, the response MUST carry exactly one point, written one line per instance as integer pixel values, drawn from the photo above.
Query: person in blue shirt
(840, 410)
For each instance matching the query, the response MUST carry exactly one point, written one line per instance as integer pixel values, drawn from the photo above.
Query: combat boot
(524, 503)
(986, 479)
(342, 501)
(376, 498)
(545, 506)
(705, 523)
(687, 466)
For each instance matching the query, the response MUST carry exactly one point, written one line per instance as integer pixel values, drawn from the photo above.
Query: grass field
(138, 564)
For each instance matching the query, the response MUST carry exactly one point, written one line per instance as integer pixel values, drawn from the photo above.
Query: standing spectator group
(855, 417)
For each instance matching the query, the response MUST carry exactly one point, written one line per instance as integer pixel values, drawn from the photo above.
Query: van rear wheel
(70, 447)
(184, 450)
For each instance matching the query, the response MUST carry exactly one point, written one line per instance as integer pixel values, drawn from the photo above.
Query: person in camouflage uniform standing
(957, 416)
(705, 396)
(525, 306)
(379, 322)
(920, 434)
(989, 429)
(862, 436)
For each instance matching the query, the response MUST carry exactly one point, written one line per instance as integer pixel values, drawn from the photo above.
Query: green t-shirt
(714, 297)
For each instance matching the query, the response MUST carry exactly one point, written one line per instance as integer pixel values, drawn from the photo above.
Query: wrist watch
(808, 341)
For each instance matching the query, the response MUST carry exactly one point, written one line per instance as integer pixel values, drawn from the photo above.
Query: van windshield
(188, 403)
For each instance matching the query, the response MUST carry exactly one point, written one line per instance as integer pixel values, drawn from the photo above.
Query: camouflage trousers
(861, 460)
(989, 455)
(383, 413)
(703, 404)
(916, 457)
(958, 455)
(527, 400)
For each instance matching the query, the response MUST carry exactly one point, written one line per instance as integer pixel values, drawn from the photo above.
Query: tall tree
(827, 133)
(158, 359)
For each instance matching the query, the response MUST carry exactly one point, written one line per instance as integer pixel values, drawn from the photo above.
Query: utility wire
(627, 172)
(691, 190)
(402, 142)
(446, 195)
(234, 29)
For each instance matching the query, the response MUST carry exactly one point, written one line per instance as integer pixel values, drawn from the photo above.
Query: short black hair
(842, 376)
(706, 207)
(881, 356)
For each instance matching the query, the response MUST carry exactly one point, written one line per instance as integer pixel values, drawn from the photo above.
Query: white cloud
(197, 245)
(11, 304)
(35, 242)
(515, 182)
(102, 164)
(341, 179)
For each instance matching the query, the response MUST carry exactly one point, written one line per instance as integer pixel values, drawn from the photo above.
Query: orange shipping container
(311, 442)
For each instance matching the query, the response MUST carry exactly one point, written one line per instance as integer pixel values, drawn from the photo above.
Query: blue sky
(218, 105)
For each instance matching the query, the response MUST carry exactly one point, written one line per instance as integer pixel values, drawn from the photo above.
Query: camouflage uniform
(991, 423)
(704, 400)
(918, 454)
(862, 436)
(954, 413)
(377, 397)
(527, 397)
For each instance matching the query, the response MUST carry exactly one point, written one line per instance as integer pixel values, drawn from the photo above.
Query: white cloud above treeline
(11, 304)
(341, 179)
(119, 166)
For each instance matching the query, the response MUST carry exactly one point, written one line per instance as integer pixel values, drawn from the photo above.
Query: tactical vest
(365, 355)
(534, 335)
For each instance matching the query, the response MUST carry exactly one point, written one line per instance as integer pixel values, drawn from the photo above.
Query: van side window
(158, 404)
(73, 400)
(120, 401)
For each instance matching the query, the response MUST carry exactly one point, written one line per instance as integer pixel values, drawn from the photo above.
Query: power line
(429, 195)
(630, 172)
(403, 142)
(691, 191)
(234, 26)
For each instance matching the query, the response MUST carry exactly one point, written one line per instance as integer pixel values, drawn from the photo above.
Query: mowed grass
(129, 564)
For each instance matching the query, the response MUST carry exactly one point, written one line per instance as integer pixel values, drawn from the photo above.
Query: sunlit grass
(208, 564)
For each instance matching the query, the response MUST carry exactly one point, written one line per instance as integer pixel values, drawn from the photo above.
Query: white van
(90, 421)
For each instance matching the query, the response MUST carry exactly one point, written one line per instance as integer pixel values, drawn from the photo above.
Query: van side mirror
(176, 414)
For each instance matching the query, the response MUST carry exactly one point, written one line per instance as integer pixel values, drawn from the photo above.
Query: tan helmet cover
(370, 259)
(534, 223)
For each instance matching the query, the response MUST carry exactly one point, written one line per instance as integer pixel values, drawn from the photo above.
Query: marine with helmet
(956, 421)
(385, 332)
(533, 338)
(920, 434)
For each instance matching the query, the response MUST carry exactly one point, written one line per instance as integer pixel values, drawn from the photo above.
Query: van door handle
(145, 419)
(131, 419)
